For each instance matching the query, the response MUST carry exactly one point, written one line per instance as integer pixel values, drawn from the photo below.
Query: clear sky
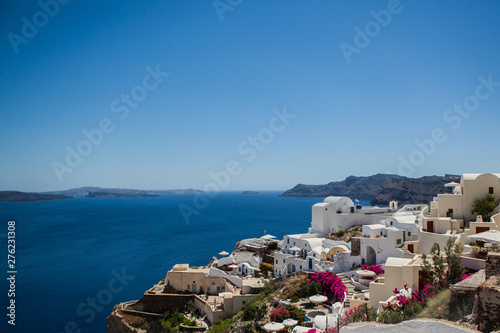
(172, 94)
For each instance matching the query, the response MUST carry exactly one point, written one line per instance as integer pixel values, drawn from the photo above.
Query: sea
(75, 259)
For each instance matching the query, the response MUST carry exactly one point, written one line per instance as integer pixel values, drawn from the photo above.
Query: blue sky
(386, 107)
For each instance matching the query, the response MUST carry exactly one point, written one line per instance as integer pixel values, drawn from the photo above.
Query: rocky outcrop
(15, 196)
(118, 323)
(379, 188)
(363, 188)
(411, 190)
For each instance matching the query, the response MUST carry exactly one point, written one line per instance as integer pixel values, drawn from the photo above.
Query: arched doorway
(371, 256)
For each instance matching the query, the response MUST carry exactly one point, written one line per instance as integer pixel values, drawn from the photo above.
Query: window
(288, 240)
(283, 260)
(409, 233)
(189, 286)
(223, 288)
(276, 261)
(398, 241)
(337, 252)
(490, 190)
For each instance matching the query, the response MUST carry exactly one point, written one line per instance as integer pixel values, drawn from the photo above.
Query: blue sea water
(76, 259)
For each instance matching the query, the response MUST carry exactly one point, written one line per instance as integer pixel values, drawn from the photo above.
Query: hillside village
(381, 260)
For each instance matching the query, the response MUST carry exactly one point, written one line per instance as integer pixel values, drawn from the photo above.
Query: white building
(458, 204)
(336, 213)
(243, 263)
(299, 252)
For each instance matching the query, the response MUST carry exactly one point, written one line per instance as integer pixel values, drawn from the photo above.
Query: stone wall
(160, 303)
(488, 303)
(492, 265)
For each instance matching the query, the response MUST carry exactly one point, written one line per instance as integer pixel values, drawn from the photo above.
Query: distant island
(379, 189)
(119, 195)
(87, 189)
(16, 196)
(252, 192)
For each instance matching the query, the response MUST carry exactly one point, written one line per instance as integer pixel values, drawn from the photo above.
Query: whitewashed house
(299, 252)
(336, 213)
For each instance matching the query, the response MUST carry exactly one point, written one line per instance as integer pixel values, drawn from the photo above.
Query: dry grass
(292, 286)
(136, 321)
(438, 307)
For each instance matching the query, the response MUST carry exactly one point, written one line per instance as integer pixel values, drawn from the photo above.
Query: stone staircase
(350, 290)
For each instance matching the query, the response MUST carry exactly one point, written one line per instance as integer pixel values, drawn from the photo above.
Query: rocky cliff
(379, 188)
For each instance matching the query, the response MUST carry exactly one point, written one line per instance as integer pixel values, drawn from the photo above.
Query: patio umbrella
(318, 299)
(295, 249)
(223, 253)
(491, 236)
(273, 327)
(451, 184)
(233, 266)
(290, 322)
(267, 237)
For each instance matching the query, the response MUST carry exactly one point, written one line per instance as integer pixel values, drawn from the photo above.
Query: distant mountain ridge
(87, 189)
(379, 188)
(16, 196)
(119, 195)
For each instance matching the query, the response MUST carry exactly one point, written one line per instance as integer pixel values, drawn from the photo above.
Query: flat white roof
(392, 261)
(375, 226)
(472, 176)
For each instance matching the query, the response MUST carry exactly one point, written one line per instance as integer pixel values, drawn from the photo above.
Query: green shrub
(254, 310)
(265, 268)
(390, 315)
(296, 313)
(340, 232)
(310, 289)
(221, 326)
(249, 327)
(295, 299)
(172, 320)
(272, 246)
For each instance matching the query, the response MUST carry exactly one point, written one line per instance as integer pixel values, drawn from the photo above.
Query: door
(482, 229)
(430, 226)
(410, 248)
(194, 289)
(371, 256)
